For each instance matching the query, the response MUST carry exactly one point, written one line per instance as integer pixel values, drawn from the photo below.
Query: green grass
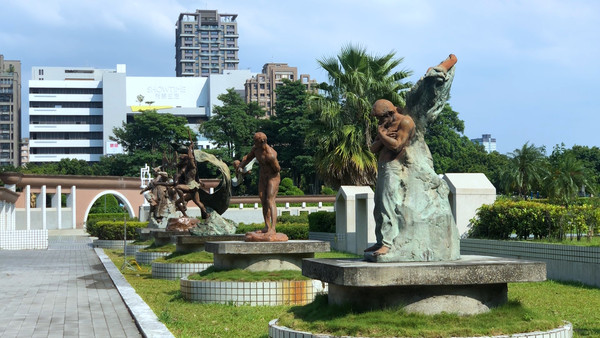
(146, 242)
(192, 257)
(336, 254)
(247, 276)
(533, 303)
(585, 241)
(162, 248)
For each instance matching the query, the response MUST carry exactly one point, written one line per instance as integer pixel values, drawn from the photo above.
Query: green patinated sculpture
(412, 213)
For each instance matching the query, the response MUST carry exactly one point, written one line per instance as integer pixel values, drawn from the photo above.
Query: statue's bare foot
(381, 251)
(373, 248)
(265, 229)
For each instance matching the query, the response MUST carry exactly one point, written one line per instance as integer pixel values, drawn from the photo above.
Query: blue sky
(526, 70)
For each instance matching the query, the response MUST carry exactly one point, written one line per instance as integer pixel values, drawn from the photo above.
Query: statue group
(166, 196)
(412, 213)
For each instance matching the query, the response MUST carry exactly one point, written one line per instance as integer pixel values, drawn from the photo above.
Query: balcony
(230, 48)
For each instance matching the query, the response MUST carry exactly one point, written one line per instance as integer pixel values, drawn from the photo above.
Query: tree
(525, 169)
(288, 129)
(566, 176)
(153, 132)
(233, 124)
(343, 130)
(451, 151)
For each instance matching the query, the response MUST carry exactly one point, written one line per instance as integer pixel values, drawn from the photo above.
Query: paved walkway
(64, 291)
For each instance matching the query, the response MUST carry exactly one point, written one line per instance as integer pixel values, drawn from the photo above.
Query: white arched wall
(121, 197)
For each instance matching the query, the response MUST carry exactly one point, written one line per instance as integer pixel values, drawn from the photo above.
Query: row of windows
(59, 119)
(6, 97)
(65, 90)
(6, 81)
(55, 151)
(42, 104)
(65, 136)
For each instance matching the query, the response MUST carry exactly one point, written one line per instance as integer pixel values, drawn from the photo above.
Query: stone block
(470, 285)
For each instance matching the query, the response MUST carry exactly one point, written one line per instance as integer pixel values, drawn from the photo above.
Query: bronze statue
(268, 186)
(413, 218)
(186, 185)
(394, 132)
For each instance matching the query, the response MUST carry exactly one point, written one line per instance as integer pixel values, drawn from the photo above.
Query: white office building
(73, 110)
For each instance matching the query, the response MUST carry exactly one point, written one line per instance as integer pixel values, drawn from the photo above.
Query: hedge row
(114, 230)
(321, 221)
(540, 220)
(292, 230)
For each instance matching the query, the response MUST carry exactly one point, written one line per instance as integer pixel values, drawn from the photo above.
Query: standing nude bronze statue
(268, 186)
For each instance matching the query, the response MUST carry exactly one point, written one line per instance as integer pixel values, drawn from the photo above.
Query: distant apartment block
(73, 110)
(10, 111)
(261, 87)
(487, 141)
(206, 42)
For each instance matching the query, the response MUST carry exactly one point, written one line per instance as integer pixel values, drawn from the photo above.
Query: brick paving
(64, 291)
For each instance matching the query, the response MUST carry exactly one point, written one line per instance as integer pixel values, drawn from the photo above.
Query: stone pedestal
(196, 243)
(470, 285)
(263, 256)
(167, 237)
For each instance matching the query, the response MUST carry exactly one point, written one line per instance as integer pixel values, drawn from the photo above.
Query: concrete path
(64, 291)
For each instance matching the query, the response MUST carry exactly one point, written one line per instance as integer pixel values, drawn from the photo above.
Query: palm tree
(343, 132)
(566, 176)
(525, 169)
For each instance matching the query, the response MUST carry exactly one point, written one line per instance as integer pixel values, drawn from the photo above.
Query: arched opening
(120, 198)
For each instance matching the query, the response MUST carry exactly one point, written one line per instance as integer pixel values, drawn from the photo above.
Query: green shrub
(114, 230)
(327, 191)
(292, 230)
(525, 218)
(287, 188)
(286, 218)
(322, 221)
(93, 219)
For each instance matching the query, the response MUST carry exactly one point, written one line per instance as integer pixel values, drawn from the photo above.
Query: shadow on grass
(575, 284)
(321, 310)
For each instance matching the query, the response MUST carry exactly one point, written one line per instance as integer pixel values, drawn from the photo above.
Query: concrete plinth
(196, 243)
(263, 256)
(164, 237)
(470, 285)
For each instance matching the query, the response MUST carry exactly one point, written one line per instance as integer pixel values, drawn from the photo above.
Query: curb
(144, 317)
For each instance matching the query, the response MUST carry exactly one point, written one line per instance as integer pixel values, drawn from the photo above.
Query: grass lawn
(533, 303)
(585, 241)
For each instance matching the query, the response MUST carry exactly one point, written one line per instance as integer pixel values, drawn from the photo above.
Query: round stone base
(425, 299)
(251, 293)
(144, 257)
(173, 271)
(276, 331)
(109, 243)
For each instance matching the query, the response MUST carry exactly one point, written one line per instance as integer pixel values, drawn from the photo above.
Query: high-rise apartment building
(10, 111)
(206, 42)
(261, 87)
(487, 141)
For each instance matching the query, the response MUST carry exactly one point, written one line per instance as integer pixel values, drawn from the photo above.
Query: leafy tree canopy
(153, 131)
(233, 124)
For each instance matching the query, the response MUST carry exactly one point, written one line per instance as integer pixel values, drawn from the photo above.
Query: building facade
(10, 111)
(487, 141)
(73, 111)
(206, 42)
(261, 87)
